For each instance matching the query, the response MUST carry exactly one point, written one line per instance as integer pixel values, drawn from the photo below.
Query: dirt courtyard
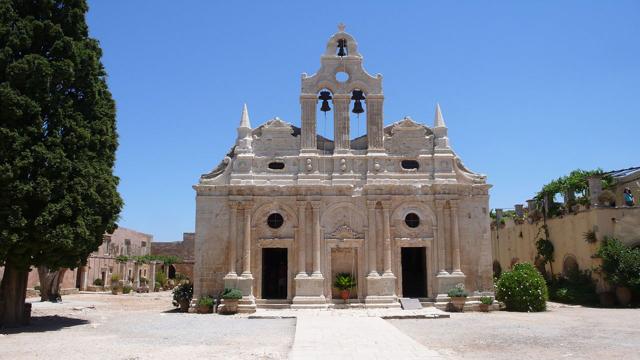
(561, 332)
(146, 326)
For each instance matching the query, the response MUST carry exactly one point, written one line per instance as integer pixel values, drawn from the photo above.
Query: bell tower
(340, 79)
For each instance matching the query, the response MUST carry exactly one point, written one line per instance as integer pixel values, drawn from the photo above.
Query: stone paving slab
(424, 313)
(353, 337)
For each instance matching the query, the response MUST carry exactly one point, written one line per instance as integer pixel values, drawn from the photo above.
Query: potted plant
(344, 282)
(116, 287)
(182, 296)
(231, 298)
(458, 298)
(204, 305)
(485, 302)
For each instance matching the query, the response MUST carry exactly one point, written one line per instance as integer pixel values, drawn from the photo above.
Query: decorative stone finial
(341, 27)
(438, 120)
(244, 120)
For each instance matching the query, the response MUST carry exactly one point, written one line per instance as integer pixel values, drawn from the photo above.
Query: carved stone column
(302, 241)
(246, 244)
(387, 239)
(316, 239)
(455, 234)
(341, 122)
(371, 238)
(375, 133)
(441, 237)
(308, 103)
(233, 240)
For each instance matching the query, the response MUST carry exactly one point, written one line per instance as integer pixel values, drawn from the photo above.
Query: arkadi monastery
(287, 209)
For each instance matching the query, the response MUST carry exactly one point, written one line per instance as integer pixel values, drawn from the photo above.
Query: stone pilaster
(375, 133)
(371, 238)
(442, 243)
(317, 273)
(245, 281)
(455, 234)
(302, 241)
(308, 103)
(233, 240)
(341, 122)
(386, 206)
(310, 289)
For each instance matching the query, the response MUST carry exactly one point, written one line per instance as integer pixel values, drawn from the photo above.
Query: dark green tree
(58, 194)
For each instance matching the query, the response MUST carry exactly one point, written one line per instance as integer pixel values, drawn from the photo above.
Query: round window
(412, 220)
(275, 220)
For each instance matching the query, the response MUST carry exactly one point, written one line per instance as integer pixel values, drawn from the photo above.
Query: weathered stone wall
(516, 242)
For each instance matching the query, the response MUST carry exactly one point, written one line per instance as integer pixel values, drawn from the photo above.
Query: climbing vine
(544, 246)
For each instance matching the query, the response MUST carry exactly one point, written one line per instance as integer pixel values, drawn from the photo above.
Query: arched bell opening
(342, 47)
(357, 114)
(325, 115)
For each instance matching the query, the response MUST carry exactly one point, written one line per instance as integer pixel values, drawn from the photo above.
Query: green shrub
(205, 301)
(126, 289)
(576, 288)
(457, 291)
(487, 300)
(115, 278)
(344, 281)
(232, 294)
(98, 282)
(522, 289)
(183, 292)
(620, 263)
(161, 278)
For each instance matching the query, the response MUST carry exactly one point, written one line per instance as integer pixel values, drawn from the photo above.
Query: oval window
(412, 220)
(410, 164)
(275, 220)
(276, 165)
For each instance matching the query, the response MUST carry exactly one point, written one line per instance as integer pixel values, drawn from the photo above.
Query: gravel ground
(572, 332)
(141, 326)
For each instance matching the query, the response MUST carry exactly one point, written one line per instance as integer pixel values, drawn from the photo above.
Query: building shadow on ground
(46, 323)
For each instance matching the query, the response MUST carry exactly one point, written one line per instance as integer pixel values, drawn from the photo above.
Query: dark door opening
(274, 273)
(414, 272)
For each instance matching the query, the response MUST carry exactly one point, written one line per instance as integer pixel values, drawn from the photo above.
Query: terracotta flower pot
(607, 299)
(345, 294)
(624, 295)
(230, 306)
(483, 307)
(457, 303)
(204, 309)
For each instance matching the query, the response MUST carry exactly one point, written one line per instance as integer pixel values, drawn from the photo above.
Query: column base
(381, 292)
(309, 293)
(448, 282)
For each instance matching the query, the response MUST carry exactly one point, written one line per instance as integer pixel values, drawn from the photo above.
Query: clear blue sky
(529, 90)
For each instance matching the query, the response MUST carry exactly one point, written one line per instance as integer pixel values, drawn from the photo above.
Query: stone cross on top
(341, 27)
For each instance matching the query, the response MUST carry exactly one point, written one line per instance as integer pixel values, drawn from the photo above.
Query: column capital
(301, 203)
(371, 204)
(315, 204)
(386, 204)
(453, 204)
(375, 97)
(307, 97)
(440, 203)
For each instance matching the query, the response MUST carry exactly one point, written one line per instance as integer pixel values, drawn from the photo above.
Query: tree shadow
(45, 323)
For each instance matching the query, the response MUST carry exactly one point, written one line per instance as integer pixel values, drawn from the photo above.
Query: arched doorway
(172, 272)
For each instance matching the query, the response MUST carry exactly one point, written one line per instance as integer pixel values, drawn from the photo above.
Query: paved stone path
(353, 337)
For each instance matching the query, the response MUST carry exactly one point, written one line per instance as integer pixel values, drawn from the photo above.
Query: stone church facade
(288, 209)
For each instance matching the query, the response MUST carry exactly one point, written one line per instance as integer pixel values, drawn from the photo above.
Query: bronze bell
(342, 47)
(357, 106)
(325, 96)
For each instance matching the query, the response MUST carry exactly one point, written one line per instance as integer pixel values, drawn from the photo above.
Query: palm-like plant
(344, 281)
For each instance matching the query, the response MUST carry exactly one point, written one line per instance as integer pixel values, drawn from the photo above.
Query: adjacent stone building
(182, 249)
(288, 208)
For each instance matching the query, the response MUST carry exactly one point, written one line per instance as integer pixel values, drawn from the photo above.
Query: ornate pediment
(345, 232)
(407, 124)
(277, 124)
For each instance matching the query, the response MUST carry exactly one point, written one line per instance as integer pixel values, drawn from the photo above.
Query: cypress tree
(58, 194)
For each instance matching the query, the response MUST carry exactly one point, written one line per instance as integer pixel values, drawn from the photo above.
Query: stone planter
(184, 305)
(116, 290)
(230, 306)
(623, 294)
(457, 304)
(483, 307)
